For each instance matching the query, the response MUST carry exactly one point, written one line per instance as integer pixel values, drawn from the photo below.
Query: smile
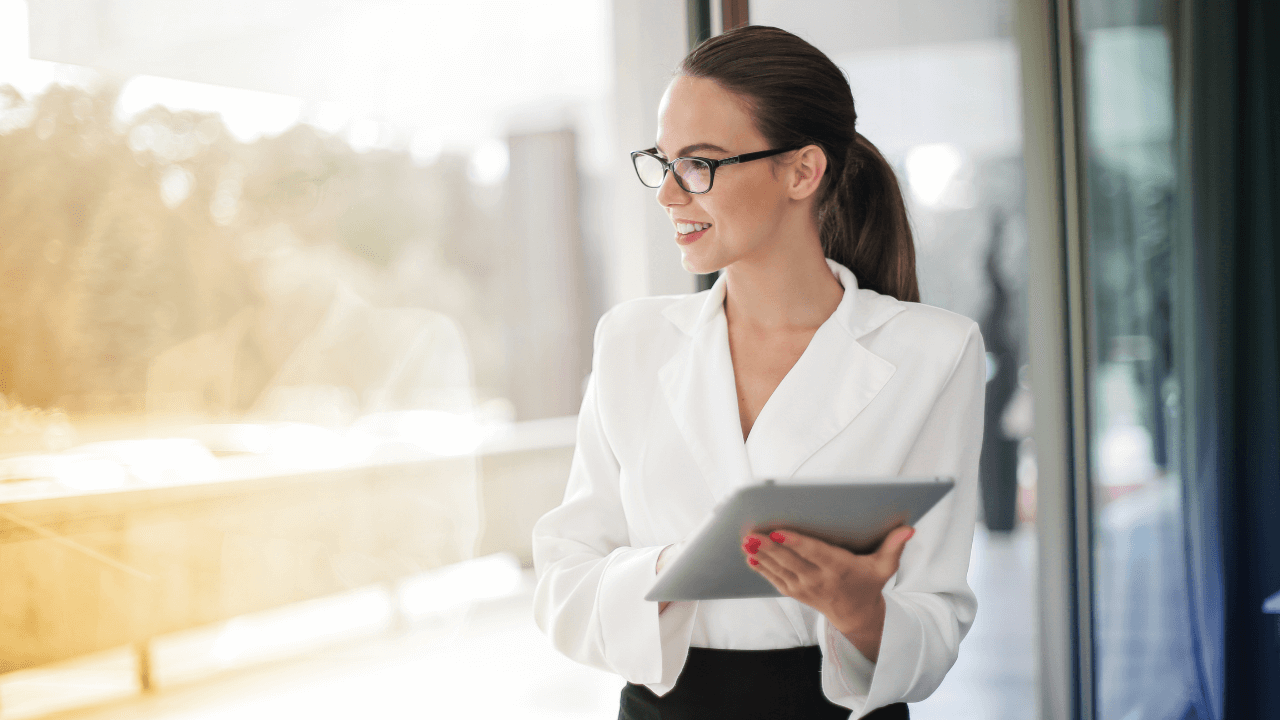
(687, 233)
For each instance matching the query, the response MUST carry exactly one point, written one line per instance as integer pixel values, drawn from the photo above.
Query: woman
(810, 358)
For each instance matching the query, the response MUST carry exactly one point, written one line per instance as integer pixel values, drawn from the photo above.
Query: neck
(788, 286)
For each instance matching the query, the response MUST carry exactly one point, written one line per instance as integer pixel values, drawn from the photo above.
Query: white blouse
(885, 388)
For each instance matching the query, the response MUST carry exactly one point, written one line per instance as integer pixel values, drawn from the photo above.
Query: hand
(844, 587)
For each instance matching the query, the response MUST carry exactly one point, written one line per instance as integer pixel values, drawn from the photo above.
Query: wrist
(865, 629)
(865, 619)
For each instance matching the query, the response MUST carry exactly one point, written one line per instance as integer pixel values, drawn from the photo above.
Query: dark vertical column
(735, 14)
(1229, 128)
(699, 24)
(998, 467)
(1257, 572)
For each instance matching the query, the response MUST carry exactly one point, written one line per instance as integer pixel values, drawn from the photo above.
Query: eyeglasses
(693, 174)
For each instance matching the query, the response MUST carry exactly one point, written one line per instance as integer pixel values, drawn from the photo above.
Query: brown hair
(799, 97)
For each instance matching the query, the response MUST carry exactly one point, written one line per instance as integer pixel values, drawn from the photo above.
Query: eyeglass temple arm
(747, 157)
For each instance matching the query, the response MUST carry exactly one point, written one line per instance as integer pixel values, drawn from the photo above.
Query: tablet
(854, 515)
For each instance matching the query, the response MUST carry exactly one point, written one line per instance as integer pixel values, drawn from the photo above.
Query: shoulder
(644, 320)
(919, 335)
(636, 337)
(928, 322)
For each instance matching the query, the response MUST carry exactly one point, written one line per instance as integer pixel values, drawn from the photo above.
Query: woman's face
(746, 203)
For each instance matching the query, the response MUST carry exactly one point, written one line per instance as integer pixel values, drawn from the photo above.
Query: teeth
(686, 228)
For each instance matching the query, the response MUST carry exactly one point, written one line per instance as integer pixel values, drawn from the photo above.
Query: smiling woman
(809, 359)
(858, 207)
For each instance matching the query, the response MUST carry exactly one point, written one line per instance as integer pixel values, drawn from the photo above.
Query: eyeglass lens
(694, 175)
(649, 169)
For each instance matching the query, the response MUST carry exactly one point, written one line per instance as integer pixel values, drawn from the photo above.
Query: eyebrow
(694, 148)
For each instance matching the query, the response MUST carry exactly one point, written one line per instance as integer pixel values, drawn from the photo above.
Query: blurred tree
(120, 239)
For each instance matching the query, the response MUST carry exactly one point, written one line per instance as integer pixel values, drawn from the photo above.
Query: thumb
(893, 545)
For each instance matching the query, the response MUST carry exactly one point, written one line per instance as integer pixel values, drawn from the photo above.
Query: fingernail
(753, 561)
(752, 545)
(777, 537)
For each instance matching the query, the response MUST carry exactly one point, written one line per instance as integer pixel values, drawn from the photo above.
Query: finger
(814, 551)
(890, 552)
(769, 562)
(774, 579)
(787, 561)
(785, 557)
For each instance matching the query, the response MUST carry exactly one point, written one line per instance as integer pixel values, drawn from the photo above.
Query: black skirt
(744, 684)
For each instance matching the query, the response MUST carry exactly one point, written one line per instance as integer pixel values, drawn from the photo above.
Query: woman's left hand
(844, 587)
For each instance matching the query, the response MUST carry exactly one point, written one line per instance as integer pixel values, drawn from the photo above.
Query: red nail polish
(752, 545)
(753, 561)
(777, 537)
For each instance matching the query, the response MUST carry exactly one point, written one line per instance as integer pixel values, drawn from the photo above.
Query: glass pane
(1142, 632)
(296, 308)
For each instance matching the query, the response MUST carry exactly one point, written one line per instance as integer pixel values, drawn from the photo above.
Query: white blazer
(884, 388)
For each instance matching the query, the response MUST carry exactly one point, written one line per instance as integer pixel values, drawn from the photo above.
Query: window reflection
(1143, 639)
(259, 351)
(197, 278)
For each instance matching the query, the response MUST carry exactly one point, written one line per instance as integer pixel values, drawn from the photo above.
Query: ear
(807, 170)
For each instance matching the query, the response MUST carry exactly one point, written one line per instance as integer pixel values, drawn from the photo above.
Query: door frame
(1057, 292)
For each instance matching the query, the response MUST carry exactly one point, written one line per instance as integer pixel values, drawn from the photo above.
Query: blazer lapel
(698, 383)
(834, 380)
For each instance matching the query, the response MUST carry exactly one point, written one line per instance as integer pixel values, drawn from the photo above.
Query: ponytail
(799, 97)
(863, 224)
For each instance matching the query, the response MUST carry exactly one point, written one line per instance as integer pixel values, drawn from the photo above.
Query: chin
(698, 268)
(698, 264)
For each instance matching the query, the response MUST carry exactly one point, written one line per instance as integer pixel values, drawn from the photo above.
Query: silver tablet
(854, 515)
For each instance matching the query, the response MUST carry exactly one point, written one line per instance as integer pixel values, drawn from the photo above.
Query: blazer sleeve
(589, 598)
(929, 606)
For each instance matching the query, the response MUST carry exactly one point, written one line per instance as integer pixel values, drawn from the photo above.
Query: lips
(692, 237)
(688, 232)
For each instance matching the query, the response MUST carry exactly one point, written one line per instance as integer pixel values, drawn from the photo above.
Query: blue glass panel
(1143, 640)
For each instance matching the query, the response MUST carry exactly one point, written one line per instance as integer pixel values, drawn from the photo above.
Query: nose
(670, 193)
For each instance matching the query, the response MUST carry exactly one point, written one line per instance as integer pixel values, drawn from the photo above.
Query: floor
(483, 659)
(994, 677)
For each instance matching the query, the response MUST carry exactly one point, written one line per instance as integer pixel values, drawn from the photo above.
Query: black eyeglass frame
(711, 163)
